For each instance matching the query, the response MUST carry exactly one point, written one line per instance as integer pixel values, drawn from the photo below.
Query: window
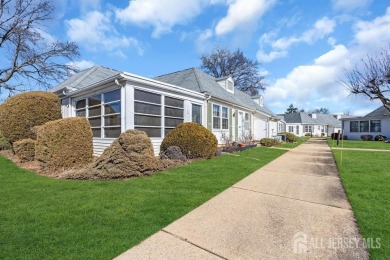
(297, 130)
(225, 118)
(103, 112)
(230, 86)
(291, 129)
(147, 112)
(364, 126)
(174, 113)
(220, 117)
(308, 128)
(216, 117)
(197, 114)
(375, 125)
(354, 126)
(246, 121)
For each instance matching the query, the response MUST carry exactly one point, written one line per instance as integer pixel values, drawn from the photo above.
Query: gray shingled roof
(306, 119)
(86, 77)
(196, 80)
(379, 112)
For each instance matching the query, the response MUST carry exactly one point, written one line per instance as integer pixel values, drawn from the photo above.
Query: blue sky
(304, 46)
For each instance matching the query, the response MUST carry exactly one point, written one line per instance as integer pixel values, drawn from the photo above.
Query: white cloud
(81, 64)
(311, 84)
(279, 47)
(318, 84)
(242, 13)
(201, 41)
(88, 5)
(350, 5)
(371, 35)
(161, 14)
(95, 32)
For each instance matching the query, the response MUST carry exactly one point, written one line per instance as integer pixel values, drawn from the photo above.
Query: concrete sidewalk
(294, 208)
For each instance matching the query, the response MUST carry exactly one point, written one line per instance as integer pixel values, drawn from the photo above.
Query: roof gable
(86, 77)
(379, 112)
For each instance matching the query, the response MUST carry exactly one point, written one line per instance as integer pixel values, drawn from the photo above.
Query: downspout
(208, 113)
(123, 105)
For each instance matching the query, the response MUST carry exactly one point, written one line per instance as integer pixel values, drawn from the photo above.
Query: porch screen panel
(147, 112)
(173, 112)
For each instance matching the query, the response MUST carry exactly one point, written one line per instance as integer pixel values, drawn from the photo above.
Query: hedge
(25, 149)
(20, 113)
(64, 143)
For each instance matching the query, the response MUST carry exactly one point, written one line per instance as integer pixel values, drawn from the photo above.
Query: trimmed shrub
(20, 113)
(25, 149)
(290, 137)
(131, 155)
(268, 142)
(193, 139)
(4, 144)
(380, 138)
(366, 137)
(64, 143)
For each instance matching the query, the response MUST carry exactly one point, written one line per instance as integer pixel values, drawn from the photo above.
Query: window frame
(200, 114)
(160, 115)
(218, 117)
(102, 114)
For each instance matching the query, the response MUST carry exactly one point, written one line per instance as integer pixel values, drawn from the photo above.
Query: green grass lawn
(359, 144)
(366, 178)
(66, 219)
(299, 141)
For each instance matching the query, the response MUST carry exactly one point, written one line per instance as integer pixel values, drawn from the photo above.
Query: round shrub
(380, 138)
(20, 113)
(366, 137)
(64, 143)
(193, 139)
(25, 149)
(290, 137)
(268, 142)
(4, 144)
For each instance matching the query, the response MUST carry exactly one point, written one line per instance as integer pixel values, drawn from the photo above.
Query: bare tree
(222, 62)
(322, 110)
(371, 78)
(29, 56)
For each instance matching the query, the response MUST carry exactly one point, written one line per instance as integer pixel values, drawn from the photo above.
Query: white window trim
(220, 117)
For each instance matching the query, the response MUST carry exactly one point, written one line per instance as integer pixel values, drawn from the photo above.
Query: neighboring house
(375, 123)
(115, 101)
(318, 124)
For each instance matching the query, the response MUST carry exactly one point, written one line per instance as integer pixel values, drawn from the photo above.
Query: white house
(115, 101)
(318, 124)
(375, 123)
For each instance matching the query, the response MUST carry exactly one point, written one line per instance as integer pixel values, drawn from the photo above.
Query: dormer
(259, 100)
(226, 83)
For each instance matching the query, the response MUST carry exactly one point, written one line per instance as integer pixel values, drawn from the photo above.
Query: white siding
(100, 144)
(385, 128)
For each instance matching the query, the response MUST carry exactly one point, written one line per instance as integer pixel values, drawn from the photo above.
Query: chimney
(314, 116)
